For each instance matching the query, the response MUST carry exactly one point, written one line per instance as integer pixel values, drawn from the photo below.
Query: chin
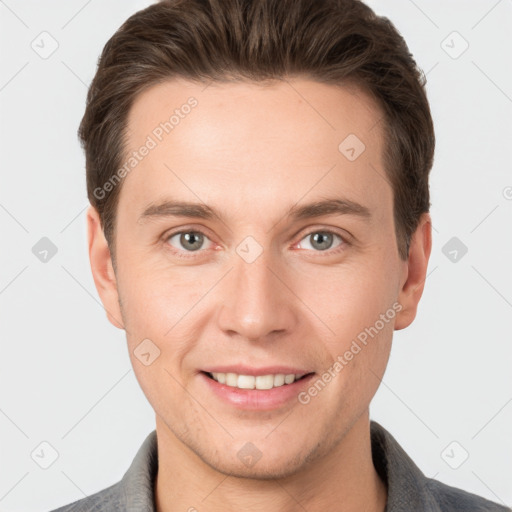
(271, 470)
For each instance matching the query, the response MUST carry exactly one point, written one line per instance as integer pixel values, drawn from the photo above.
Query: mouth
(252, 382)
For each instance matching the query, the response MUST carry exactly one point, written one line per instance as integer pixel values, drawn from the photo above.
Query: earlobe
(415, 272)
(102, 268)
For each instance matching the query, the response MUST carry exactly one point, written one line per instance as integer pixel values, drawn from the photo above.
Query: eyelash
(180, 253)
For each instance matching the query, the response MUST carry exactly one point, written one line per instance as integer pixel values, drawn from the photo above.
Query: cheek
(347, 299)
(165, 307)
(154, 298)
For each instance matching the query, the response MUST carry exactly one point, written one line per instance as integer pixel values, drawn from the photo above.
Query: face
(253, 279)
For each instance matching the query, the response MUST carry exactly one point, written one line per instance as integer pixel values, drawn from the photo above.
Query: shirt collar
(407, 485)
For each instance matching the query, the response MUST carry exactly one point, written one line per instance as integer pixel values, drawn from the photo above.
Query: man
(259, 226)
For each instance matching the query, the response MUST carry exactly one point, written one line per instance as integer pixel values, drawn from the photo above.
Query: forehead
(302, 105)
(294, 136)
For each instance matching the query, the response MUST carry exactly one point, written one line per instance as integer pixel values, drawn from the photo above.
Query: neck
(345, 476)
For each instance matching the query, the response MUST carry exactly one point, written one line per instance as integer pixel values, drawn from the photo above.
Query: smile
(255, 382)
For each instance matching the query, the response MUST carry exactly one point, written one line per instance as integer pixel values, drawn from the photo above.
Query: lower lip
(257, 399)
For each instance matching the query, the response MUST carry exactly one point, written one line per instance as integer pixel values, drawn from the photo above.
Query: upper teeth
(252, 382)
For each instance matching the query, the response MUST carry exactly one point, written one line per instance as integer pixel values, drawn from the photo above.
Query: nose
(257, 301)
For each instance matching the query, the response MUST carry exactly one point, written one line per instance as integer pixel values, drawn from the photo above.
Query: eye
(322, 240)
(189, 241)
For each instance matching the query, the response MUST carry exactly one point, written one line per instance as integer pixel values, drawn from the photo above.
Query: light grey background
(65, 375)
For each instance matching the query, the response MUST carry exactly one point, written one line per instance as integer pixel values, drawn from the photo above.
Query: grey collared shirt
(409, 490)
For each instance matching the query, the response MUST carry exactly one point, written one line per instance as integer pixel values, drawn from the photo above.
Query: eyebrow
(334, 206)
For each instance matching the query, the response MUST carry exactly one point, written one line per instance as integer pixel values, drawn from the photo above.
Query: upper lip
(241, 369)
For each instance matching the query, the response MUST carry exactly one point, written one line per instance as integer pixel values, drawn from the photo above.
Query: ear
(102, 268)
(415, 272)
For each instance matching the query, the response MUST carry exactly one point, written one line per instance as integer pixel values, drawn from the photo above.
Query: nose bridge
(256, 302)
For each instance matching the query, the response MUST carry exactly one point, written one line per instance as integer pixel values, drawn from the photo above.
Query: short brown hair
(330, 41)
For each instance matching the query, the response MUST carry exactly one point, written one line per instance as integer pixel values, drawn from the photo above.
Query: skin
(253, 151)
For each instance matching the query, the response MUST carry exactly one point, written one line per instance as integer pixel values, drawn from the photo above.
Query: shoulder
(453, 499)
(408, 487)
(105, 500)
(133, 492)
